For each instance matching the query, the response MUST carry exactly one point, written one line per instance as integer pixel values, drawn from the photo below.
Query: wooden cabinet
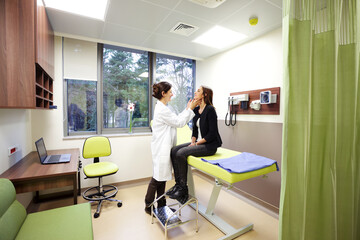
(17, 53)
(44, 55)
(44, 58)
(26, 53)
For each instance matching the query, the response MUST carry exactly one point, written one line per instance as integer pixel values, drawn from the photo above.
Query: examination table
(221, 176)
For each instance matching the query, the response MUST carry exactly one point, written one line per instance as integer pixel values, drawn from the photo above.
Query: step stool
(170, 218)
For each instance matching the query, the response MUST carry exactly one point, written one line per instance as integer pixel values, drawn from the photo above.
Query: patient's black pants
(179, 156)
(157, 187)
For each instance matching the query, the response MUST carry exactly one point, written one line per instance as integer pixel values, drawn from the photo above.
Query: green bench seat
(72, 222)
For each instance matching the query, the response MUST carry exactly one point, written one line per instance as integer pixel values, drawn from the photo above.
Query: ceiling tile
(164, 3)
(178, 46)
(74, 24)
(269, 17)
(135, 13)
(277, 3)
(211, 15)
(116, 33)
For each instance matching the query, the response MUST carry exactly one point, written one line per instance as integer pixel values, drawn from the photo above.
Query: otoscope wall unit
(241, 103)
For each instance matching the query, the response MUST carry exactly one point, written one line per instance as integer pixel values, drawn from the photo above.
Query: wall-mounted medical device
(240, 98)
(266, 103)
(255, 105)
(267, 98)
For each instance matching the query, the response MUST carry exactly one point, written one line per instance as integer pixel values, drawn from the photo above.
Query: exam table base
(227, 229)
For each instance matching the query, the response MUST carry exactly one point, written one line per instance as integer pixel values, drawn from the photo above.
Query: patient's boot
(180, 193)
(172, 190)
(183, 199)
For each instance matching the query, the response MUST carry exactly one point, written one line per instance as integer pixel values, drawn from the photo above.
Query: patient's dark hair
(160, 87)
(208, 95)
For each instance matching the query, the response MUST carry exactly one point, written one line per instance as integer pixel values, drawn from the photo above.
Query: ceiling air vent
(183, 29)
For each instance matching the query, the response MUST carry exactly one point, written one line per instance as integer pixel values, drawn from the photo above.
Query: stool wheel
(119, 204)
(96, 215)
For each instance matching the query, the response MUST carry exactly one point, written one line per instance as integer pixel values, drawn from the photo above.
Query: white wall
(15, 131)
(131, 153)
(254, 65)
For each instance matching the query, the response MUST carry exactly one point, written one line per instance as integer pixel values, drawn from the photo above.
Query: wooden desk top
(30, 168)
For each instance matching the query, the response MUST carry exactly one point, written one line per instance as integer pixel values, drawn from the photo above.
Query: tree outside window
(178, 72)
(81, 99)
(122, 85)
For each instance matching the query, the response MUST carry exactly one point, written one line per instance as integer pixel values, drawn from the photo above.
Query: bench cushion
(72, 222)
(12, 213)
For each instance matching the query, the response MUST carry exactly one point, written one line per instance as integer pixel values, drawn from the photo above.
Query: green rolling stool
(96, 147)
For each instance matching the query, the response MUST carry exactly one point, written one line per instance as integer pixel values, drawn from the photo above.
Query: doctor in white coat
(164, 127)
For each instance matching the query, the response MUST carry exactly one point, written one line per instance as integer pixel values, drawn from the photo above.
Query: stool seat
(100, 169)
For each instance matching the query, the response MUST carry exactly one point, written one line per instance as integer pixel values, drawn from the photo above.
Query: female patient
(204, 142)
(164, 127)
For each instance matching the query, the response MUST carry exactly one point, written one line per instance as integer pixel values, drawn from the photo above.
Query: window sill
(112, 135)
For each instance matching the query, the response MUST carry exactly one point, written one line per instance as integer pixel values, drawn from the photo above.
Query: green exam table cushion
(221, 173)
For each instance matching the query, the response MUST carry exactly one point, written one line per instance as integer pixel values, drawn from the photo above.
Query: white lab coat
(164, 127)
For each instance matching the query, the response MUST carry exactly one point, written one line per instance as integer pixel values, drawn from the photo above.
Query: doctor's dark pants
(157, 187)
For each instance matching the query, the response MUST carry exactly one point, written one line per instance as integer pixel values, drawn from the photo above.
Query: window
(124, 83)
(179, 72)
(81, 105)
(100, 105)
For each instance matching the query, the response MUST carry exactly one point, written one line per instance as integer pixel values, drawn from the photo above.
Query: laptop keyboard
(54, 158)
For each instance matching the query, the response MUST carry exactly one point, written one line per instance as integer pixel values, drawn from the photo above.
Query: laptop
(50, 159)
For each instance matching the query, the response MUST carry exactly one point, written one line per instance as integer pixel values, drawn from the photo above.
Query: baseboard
(129, 183)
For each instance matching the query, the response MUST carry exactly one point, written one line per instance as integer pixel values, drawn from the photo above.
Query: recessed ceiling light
(89, 8)
(219, 37)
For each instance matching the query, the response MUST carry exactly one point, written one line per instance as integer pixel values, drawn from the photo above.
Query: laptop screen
(40, 146)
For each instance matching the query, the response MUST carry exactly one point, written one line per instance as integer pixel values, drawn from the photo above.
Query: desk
(29, 175)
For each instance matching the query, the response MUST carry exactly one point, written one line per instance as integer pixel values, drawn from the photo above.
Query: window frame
(99, 98)
(100, 77)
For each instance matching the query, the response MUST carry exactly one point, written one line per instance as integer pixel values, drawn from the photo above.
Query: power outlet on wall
(12, 150)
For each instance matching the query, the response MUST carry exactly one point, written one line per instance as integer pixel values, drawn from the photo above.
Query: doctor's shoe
(148, 210)
(181, 191)
(172, 190)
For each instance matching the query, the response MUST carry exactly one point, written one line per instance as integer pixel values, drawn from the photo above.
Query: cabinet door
(17, 53)
(44, 40)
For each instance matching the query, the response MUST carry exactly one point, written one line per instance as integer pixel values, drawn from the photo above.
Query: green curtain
(320, 188)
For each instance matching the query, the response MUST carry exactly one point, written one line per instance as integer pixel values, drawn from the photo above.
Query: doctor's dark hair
(208, 95)
(160, 87)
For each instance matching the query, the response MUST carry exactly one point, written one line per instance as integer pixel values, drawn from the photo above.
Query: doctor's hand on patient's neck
(192, 104)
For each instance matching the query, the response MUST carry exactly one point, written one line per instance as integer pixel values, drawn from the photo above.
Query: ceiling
(146, 24)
